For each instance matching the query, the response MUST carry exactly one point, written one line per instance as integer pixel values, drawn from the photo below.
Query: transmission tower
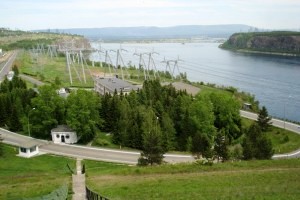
(174, 64)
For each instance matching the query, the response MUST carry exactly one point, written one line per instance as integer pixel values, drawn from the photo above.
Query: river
(274, 80)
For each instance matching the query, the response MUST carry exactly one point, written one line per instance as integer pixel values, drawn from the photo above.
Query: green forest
(155, 119)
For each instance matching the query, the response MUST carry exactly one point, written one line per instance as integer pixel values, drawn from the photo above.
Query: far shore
(261, 52)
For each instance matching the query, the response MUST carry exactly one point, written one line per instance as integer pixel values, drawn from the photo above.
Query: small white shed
(63, 134)
(28, 148)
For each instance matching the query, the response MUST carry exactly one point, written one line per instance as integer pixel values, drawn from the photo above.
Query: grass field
(274, 179)
(283, 141)
(23, 177)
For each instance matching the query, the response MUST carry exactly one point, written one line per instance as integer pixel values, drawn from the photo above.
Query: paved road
(275, 122)
(7, 66)
(128, 157)
(102, 154)
(32, 80)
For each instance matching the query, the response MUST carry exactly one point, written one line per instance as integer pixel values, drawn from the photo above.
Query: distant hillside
(281, 42)
(17, 39)
(130, 33)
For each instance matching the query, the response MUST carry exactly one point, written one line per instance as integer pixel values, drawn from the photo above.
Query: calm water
(274, 80)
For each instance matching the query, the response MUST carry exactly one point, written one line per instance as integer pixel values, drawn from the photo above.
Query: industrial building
(112, 84)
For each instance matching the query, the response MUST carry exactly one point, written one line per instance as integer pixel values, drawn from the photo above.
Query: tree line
(155, 119)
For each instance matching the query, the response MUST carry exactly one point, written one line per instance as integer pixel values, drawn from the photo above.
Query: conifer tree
(264, 120)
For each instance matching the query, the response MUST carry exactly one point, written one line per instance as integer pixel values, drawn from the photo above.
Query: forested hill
(280, 42)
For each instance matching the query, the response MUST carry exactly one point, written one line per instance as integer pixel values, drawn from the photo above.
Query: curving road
(91, 153)
(7, 66)
(275, 122)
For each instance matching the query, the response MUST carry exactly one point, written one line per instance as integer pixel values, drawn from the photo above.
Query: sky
(53, 14)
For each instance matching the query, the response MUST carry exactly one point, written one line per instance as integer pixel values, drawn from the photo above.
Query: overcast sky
(44, 14)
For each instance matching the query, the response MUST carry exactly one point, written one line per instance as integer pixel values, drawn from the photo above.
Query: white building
(112, 84)
(63, 134)
(10, 75)
(62, 92)
(28, 149)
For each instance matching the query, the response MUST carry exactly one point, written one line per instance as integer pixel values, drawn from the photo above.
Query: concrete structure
(247, 106)
(28, 148)
(63, 134)
(62, 92)
(10, 75)
(110, 85)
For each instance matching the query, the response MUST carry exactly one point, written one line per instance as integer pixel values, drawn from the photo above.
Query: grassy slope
(283, 141)
(22, 177)
(275, 179)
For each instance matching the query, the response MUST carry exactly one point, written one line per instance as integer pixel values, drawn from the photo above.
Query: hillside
(279, 42)
(17, 39)
(151, 32)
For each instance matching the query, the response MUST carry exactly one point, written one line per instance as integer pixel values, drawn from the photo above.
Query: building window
(57, 135)
(32, 149)
(67, 136)
(23, 150)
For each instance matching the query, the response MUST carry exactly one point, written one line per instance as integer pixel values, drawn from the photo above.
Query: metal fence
(90, 195)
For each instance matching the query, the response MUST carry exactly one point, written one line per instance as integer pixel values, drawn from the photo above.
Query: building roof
(62, 128)
(28, 143)
(113, 84)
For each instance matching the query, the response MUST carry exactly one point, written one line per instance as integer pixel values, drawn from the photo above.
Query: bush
(208, 162)
(285, 139)
(236, 153)
(142, 161)
(101, 142)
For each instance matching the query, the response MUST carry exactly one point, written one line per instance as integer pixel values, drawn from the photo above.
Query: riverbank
(260, 52)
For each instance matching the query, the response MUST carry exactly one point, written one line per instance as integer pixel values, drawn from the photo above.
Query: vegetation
(16, 39)
(272, 179)
(256, 144)
(283, 141)
(263, 120)
(269, 42)
(21, 177)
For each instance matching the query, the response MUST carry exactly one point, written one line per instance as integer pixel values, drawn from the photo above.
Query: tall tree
(227, 115)
(152, 140)
(201, 145)
(83, 114)
(47, 106)
(256, 144)
(221, 146)
(264, 120)
(168, 132)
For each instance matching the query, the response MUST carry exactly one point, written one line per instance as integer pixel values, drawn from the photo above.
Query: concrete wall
(68, 137)
(29, 152)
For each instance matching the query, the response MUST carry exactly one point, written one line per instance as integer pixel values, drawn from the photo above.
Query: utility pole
(141, 63)
(175, 66)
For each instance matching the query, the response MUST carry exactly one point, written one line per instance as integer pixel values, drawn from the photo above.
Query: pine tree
(221, 148)
(264, 120)
(201, 145)
(256, 144)
(152, 148)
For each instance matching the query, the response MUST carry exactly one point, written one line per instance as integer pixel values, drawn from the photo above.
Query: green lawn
(23, 177)
(273, 179)
(283, 141)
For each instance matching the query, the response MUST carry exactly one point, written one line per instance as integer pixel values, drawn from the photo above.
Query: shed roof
(62, 128)
(116, 84)
(28, 143)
